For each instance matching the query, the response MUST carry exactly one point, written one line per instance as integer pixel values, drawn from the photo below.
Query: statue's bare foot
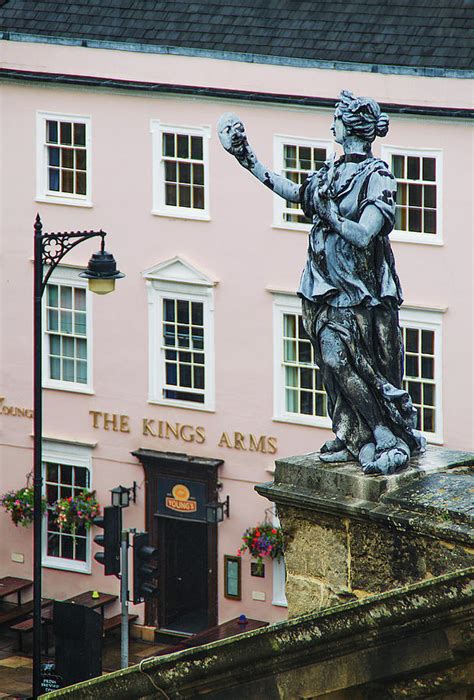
(384, 438)
(388, 462)
(332, 446)
(342, 456)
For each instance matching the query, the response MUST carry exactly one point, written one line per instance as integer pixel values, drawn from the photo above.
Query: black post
(37, 457)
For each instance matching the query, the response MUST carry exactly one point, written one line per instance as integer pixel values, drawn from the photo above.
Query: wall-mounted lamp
(121, 495)
(215, 511)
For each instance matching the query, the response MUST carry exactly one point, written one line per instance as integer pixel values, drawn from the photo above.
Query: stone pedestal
(349, 536)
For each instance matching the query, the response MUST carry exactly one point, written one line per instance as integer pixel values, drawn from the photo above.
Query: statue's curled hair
(361, 116)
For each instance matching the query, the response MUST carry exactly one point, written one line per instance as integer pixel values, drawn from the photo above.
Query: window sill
(298, 228)
(324, 423)
(280, 603)
(67, 201)
(433, 439)
(176, 214)
(182, 404)
(75, 389)
(420, 238)
(66, 566)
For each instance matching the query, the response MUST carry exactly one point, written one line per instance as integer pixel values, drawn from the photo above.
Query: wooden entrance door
(184, 603)
(187, 579)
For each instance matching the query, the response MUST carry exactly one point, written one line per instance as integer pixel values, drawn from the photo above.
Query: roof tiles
(424, 34)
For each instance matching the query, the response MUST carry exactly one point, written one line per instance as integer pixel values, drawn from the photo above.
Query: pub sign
(182, 498)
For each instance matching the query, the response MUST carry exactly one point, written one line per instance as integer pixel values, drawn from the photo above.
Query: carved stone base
(349, 536)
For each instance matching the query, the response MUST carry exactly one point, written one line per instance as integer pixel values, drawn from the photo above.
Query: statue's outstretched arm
(233, 138)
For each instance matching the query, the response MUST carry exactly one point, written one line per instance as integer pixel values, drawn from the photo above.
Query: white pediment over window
(179, 270)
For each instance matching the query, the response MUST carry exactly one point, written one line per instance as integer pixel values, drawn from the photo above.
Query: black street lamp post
(49, 250)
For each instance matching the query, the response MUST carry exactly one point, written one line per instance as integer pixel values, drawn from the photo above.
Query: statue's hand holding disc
(233, 138)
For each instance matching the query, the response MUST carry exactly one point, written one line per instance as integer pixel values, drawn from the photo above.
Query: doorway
(177, 488)
(184, 576)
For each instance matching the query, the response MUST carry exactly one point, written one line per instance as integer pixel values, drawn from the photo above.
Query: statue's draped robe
(356, 292)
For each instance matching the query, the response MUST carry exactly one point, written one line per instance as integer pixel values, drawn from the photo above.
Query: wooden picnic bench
(86, 599)
(9, 585)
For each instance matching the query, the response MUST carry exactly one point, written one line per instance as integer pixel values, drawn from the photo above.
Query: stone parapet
(349, 536)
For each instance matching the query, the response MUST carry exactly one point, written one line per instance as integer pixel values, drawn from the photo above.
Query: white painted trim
(70, 277)
(75, 455)
(279, 575)
(42, 192)
(408, 236)
(279, 140)
(157, 290)
(286, 303)
(180, 271)
(159, 208)
(430, 319)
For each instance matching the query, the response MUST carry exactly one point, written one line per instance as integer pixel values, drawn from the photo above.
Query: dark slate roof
(407, 33)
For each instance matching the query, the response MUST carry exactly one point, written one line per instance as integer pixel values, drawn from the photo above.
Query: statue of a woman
(349, 288)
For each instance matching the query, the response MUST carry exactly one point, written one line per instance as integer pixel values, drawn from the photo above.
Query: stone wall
(349, 536)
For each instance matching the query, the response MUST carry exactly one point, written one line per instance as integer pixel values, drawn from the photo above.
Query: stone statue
(349, 287)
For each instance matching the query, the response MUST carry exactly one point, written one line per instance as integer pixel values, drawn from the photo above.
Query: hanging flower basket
(263, 540)
(20, 505)
(75, 512)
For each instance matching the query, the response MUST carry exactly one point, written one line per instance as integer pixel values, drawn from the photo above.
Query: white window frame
(191, 287)
(68, 276)
(43, 194)
(279, 141)
(159, 207)
(279, 575)
(428, 319)
(410, 236)
(287, 304)
(76, 456)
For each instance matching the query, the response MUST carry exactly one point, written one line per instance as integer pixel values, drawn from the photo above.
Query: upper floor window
(299, 394)
(295, 158)
(66, 472)
(180, 171)
(181, 332)
(182, 347)
(418, 210)
(63, 169)
(422, 371)
(67, 337)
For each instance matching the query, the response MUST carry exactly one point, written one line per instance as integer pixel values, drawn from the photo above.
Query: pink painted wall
(238, 247)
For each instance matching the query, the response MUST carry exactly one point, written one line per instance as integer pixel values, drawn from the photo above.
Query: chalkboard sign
(49, 679)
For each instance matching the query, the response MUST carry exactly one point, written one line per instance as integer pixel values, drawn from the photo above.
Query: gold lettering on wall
(16, 411)
(119, 423)
(183, 432)
(164, 430)
(250, 443)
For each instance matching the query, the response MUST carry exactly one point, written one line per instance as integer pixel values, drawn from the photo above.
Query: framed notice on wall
(232, 577)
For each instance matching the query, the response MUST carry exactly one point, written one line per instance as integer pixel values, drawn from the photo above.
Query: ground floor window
(64, 479)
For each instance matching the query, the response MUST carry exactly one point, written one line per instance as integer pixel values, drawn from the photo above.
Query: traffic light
(109, 540)
(144, 568)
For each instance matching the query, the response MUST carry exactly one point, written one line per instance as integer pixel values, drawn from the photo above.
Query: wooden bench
(25, 627)
(111, 623)
(15, 612)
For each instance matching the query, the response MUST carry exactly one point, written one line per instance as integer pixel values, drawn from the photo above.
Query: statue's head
(361, 116)
(230, 129)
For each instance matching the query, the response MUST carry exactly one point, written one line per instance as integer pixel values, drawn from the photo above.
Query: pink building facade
(196, 363)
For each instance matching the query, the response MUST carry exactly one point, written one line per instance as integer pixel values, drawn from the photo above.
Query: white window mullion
(419, 209)
(180, 170)
(294, 157)
(193, 349)
(297, 381)
(60, 459)
(422, 335)
(67, 332)
(64, 157)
